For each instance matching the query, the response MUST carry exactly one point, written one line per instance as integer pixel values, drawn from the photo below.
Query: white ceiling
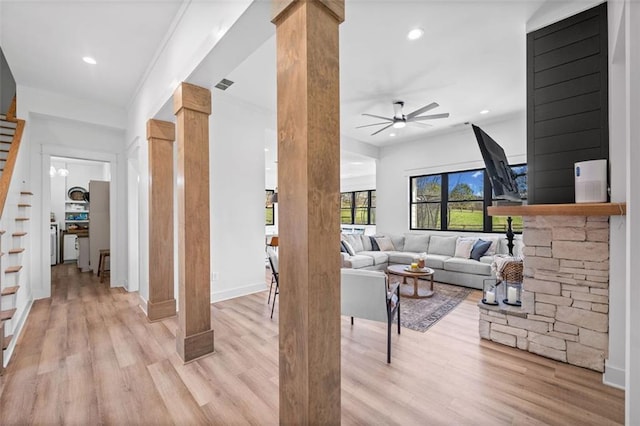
(44, 42)
(472, 57)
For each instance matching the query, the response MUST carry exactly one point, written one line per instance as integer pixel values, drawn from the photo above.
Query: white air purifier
(591, 181)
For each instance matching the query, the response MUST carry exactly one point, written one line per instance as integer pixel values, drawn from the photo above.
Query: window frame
(354, 208)
(487, 201)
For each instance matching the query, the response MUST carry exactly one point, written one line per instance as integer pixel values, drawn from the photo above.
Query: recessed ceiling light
(415, 34)
(484, 111)
(392, 134)
(266, 150)
(268, 169)
(89, 60)
(357, 163)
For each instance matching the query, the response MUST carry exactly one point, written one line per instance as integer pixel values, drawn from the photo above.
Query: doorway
(79, 213)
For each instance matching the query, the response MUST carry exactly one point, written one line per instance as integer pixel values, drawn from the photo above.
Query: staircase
(14, 300)
(7, 132)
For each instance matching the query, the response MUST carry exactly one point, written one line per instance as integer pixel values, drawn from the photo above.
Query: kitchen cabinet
(70, 242)
(83, 253)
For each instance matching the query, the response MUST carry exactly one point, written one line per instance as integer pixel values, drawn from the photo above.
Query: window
(269, 210)
(358, 208)
(426, 196)
(465, 201)
(459, 200)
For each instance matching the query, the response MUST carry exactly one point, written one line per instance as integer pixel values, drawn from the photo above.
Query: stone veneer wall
(565, 295)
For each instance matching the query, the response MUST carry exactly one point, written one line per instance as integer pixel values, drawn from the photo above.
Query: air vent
(224, 84)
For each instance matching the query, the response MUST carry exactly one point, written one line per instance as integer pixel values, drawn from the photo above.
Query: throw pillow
(464, 247)
(493, 247)
(479, 249)
(374, 244)
(445, 246)
(349, 248)
(385, 244)
(343, 249)
(416, 243)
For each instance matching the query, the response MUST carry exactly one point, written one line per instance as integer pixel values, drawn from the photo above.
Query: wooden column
(308, 193)
(192, 106)
(162, 303)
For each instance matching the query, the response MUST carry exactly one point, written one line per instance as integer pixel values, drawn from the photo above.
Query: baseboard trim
(17, 332)
(142, 304)
(613, 376)
(219, 296)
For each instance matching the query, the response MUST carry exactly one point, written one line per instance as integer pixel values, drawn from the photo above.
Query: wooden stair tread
(21, 219)
(10, 290)
(24, 205)
(19, 234)
(26, 193)
(13, 269)
(6, 342)
(8, 314)
(16, 250)
(2, 231)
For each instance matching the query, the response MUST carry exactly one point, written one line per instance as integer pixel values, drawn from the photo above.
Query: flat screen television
(501, 177)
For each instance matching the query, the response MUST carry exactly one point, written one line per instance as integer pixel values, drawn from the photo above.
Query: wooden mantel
(580, 209)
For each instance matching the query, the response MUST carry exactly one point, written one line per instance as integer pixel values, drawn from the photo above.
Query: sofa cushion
(487, 259)
(468, 266)
(464, 245)
(442, 245)
(379, 257)
(358, 261)
(398, 242)
(355, 241)
(417, 243)
(366, 243)
(436, 261)
(404, 257)
(385, 244)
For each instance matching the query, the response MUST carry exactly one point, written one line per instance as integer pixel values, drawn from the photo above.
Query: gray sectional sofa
(445, 254)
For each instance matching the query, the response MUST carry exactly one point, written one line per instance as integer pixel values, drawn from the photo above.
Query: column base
(161, 310)
(194, 346)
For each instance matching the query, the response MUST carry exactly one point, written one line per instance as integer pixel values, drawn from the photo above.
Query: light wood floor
(88, 356)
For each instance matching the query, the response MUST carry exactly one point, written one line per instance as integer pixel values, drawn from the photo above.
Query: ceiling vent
(224, 84)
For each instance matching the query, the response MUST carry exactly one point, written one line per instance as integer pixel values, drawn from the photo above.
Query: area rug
(420, 314)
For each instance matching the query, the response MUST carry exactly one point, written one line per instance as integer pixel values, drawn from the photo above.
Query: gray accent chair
(365, 294)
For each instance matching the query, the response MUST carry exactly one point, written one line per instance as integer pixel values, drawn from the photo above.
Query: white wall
(615, 364)
(237, 132)
(75, 135)
(445, 152)
(358, 183)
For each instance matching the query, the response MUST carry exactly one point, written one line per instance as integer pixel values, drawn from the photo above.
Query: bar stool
(104, 254)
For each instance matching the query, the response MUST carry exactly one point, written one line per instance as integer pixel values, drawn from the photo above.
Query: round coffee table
(405, 272)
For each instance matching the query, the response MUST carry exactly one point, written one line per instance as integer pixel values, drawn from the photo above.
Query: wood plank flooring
(88, 356)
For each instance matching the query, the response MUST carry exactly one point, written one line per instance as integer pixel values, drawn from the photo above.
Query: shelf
(76, 221)
(76, 211)
(75, 202)
(580, 209)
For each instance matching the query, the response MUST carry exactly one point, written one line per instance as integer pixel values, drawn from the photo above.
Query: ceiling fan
(399, 120)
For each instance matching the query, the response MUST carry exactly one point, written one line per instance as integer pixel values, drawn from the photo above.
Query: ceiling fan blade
(379, 116)
(384, 128)
(374, 124)
(429, 117)
(419, 124)
(425, 108)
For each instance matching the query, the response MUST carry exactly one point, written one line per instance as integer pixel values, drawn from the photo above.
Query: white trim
(18, 331)
(46, 152)
(613, 376)
(219, 296)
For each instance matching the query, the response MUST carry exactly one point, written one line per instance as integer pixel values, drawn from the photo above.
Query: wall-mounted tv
(501, 177)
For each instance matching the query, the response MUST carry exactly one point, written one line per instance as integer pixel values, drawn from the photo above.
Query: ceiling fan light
(399, 124)
(415, 34)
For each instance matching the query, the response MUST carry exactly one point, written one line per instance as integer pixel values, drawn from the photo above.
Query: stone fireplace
(565, 292)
